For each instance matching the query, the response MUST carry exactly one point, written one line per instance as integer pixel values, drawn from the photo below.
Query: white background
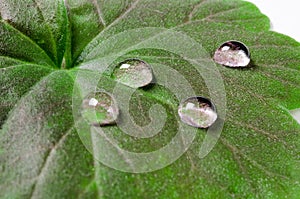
(284, 15)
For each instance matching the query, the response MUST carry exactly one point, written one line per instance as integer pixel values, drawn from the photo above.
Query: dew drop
(233, 54)
(134, 73)
(99, 109)
(197, 112)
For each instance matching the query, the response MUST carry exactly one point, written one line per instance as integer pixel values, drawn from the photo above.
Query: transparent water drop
(134, 73)
(99, 109)
(232, 54)
(198, 112)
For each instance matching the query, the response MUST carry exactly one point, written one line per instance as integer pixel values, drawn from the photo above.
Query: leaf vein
(48, 28)
(29, 40)
(47, 161)
(194, 9)
(100, 13)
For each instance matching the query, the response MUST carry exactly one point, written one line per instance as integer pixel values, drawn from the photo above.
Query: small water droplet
(99, 109)
(197, 112)
(134, 73)
(233, 54)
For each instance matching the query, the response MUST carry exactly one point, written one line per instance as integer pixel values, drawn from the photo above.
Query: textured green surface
(41, 155)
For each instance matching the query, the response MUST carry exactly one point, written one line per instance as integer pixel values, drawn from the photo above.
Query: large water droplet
(134, 73)
(99, 109)
(233, 54)
(198, 112)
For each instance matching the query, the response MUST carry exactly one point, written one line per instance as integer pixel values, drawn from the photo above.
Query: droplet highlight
(99, 109)
(198, 112)
(233, 54)
(134, 73)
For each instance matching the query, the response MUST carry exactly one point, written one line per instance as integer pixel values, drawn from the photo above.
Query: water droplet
(134, 73)
(198, 112)
(233, 54)
(99, 109)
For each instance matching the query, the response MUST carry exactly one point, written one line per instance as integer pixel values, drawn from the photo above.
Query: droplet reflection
(134, 73)
(197, 112)
(99, 109)
(232, 54)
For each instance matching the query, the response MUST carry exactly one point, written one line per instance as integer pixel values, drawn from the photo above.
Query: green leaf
(88, 18)
(16, 81)
(42, 154)
(43, 21)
